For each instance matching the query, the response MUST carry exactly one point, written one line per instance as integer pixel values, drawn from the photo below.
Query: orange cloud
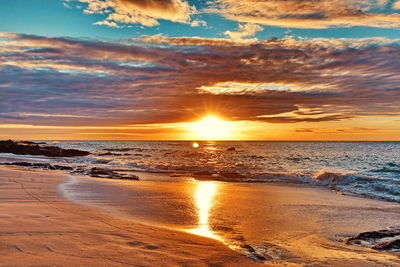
(244, 31)
(190, 41)
(312, 14)
(145, 12)
(396, 5)
(88, 82)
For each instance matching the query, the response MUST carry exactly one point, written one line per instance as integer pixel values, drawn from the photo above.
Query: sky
(151, 69)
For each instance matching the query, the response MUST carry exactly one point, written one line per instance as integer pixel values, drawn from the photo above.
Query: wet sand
(146, 223)
(40, 228)
(288, 225)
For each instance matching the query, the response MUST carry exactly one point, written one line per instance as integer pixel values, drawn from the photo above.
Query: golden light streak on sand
(204, 200)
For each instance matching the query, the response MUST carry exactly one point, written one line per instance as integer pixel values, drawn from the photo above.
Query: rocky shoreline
(36, 148)
(93, 172)
(387, 239)
(32, 148)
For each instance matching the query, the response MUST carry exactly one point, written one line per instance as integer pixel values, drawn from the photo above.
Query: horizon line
(194, 140)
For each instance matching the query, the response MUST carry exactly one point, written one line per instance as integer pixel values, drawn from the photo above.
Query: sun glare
(212, 128)
(204, 200)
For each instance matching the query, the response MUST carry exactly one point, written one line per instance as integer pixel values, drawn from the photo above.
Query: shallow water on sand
(274, 223)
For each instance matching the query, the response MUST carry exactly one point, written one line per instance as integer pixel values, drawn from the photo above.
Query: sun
(211, 128)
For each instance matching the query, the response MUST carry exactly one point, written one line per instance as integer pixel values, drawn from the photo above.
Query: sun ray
(212, 127)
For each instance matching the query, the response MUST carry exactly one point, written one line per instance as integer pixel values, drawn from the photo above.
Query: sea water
(368, 169)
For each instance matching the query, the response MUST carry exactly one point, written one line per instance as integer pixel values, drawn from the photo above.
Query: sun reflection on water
(204, 196)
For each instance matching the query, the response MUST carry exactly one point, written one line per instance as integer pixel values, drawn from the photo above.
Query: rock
(231, 149)
(379, 240)
(254, 255)
(79, 170)
(259, 257)
(117, 149)
(102, 161)
(43, 166)
(249, 248)
(130, 177)
(40, 165)
(372, 235)
(36, 149)
(64, 168)
(50, 167)
(389, 245)
(110, 154)
(29, 143)
(22, 164)
(99, 172)
(104, 173)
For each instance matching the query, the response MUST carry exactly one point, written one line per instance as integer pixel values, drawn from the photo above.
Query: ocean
(366, 169)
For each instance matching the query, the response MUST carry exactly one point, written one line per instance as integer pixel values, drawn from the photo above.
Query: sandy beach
(121, 224)
(40, 228)
(289, 225)
(158, 133)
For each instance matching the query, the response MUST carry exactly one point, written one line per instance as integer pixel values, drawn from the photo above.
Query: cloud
(198, 23)
(396, 5)
(189, 41)
(245, 30)
(144, 12)
(111, 24)
(167, 80)
(66, 5)
(312, 14)
(283, 119)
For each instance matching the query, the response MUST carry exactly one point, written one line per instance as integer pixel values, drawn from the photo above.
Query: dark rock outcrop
(64, 168)
(94, 172)
(231, 149)
(117, 149)
(31, 148)
(389, 245)
(105, 173)
(379, 240)
(29, 143)
(47, 166)
(253, 254)
(366, 236)
(99, 172)
(110, 154)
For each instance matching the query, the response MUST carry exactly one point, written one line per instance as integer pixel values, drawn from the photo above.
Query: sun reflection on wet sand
(204, 196)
